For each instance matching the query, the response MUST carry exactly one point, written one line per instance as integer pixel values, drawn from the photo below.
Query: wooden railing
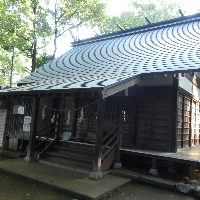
(111, 143)
(111, 147)
(50, 135)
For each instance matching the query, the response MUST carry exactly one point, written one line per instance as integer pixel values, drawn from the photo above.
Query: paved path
(20, 189)
(140, 191)
(72, 183)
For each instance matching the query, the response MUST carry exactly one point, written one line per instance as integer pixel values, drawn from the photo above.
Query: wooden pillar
(192, 174)
(33, 130)
(97, 174)
(174, 134)
(119, 137)
(154, 163)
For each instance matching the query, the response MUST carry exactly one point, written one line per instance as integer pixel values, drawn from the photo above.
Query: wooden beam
(117, 88)
(99, 137)
(33, 130)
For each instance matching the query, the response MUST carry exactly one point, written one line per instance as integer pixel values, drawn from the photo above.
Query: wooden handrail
(110, 132)
(44, 140)
(111, 147)
(45, 127)
(46, 132)
(109, 141)
(115, 136)
(44, 150)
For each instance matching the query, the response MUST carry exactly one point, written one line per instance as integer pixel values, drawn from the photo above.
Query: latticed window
(88, 106)
(188, 122)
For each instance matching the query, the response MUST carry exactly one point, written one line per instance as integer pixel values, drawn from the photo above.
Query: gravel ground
(141, 191)
(12, 188)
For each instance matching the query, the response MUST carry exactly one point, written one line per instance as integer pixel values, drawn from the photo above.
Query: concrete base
(153, 172)
(117, 165)
(29, 159)
(193, 182)
(13, 143)
(197, 192)
(184, 188)
(96, 175)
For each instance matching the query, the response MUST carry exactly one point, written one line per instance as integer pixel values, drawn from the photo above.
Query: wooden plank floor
(192, 154)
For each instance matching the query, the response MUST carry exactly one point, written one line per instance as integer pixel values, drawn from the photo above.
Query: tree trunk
(12, 66)
(34, 59)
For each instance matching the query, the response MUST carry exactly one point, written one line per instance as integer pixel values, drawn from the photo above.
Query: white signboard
(27, 123)
(20, 110)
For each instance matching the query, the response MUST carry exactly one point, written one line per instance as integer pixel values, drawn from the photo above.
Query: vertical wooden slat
(74, 116)
(190, 126)
(192, 174)
(174, 134)
(119, 137)
(33, 130)
(183, 122)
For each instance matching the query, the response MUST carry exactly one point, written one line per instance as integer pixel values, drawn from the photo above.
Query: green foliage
(43, 59)
(155, 11)
(25, 22)
(68, 14)
(6, 64)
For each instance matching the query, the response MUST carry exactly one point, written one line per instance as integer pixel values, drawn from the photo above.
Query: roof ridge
(143, 28)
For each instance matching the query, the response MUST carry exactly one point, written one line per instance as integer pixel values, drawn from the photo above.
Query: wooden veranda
(190, 157)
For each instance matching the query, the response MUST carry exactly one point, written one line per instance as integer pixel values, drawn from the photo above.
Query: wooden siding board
(154, 121)
(14, 122)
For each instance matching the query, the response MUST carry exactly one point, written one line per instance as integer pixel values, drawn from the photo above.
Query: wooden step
(71, 156)
(66, 160)
(63, 149)
(76, 145)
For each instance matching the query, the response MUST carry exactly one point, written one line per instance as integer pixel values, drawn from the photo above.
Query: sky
(115, 7)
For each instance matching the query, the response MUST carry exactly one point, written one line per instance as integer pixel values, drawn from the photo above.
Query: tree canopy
(138, 11)
(27, 25)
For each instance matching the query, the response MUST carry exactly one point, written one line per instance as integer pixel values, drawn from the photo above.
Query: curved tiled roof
(168, 46)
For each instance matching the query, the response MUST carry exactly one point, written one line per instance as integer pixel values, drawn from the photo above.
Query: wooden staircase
(82, 155)
(71, 154)
(76, 155)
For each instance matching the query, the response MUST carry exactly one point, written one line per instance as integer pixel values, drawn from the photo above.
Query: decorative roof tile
(170, 46)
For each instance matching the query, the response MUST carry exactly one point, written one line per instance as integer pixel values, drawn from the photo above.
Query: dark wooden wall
(14, 122)
(67, 104)
(147, 114)
(154, 118)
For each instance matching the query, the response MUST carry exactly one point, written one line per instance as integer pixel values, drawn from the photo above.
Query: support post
(6, 143)
(174, 135)
(33, 129)
(154, 171)
(97, 174)
(117, 163)
(192, 174)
